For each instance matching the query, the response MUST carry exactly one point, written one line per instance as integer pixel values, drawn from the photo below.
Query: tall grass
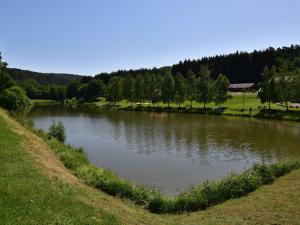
(198, 198)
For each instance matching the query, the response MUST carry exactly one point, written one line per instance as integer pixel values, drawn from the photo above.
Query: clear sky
(93, 36)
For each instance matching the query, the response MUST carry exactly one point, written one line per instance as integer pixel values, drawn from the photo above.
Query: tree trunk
(204, 105)
(287, 106)
(269, 104)
(191, 104)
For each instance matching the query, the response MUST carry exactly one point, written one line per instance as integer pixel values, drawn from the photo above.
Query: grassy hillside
(35, 188)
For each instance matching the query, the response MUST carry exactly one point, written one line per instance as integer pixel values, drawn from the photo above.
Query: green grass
(28, 197)
(44, 102)
(233, 107)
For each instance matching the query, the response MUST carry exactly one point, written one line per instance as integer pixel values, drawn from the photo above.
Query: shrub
(57, 130)
(14, 99)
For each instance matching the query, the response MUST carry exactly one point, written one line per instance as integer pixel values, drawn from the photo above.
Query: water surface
(168, 150)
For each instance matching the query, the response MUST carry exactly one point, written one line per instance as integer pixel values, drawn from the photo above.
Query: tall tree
(128, 88)
(221, 90)
(139, 88)
(155, 88)
(168, 86)
(205, 87)
(268, 91)
(95, 89)
(5, 79)
(73, 89)
(114, 90)
(180, 89)
(284, 84)
(147, 87)
(191, 86)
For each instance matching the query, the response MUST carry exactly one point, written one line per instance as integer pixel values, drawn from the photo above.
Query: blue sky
(92, 36)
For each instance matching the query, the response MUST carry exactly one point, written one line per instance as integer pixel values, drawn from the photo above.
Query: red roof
(241, 86)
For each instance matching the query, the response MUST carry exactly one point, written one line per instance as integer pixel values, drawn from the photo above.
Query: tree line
(156, 88)
(280, 84)
(240, 67)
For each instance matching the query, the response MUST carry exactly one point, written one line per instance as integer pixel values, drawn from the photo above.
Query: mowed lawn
(232, 107)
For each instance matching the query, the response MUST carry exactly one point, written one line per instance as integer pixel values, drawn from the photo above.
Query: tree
(205, 87)
(95, 89)
(284, 84)
(5, 79)
(221, 89)
(61, 94)
(32, 88)
(180, 89)
(14, 99)
(73, 90)
(155, 89)
(128, 89)
(268, 88)
(191, 86)
(167, 90)
(147, 87)
(139, 88)
(114, 90)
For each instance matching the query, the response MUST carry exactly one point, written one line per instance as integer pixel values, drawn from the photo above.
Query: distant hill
(42, 78)
(239, 67)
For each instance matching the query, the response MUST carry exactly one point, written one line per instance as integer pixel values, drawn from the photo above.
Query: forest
(275, 71)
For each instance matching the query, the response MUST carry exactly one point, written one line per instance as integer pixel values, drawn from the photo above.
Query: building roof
(241, 86)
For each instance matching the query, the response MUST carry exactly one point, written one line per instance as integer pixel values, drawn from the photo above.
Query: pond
(168, 150)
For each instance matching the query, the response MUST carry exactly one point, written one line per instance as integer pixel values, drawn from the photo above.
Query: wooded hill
(239, 67)
(42, 78)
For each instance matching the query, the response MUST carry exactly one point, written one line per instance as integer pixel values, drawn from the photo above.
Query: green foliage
(205, 87)
(155, 88)
(191, 85)
(168, 89)
(128, 88)
(14, 99)
(268, 87)
(139, 88)
(221, 89)
(57, 130)
(180, 89)
(95, 89)
(114, 90)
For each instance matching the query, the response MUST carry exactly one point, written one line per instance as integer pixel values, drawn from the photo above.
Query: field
(36, 189)
(233, 107)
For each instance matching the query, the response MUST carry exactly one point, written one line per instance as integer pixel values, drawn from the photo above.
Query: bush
(57, 130)
(14, 99)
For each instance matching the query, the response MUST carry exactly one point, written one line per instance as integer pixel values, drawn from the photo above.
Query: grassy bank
(199, 198)
(35, 188)
(44, 102)
(233, 107)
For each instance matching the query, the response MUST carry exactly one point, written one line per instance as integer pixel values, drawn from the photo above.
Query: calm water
(171, 151)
